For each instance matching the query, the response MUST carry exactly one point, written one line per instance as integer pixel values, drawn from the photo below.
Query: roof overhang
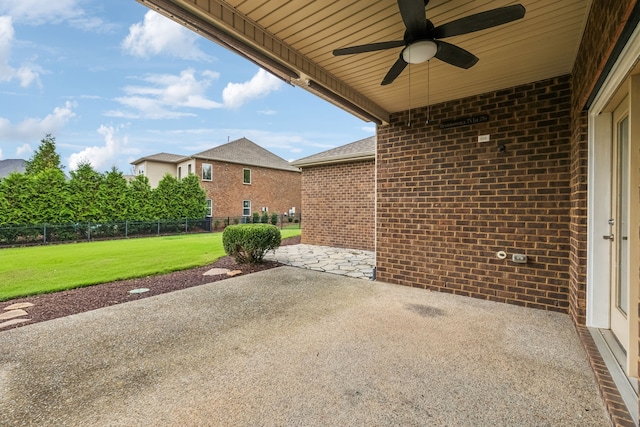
(294, 40)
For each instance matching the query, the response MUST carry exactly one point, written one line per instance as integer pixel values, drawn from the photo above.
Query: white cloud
(369, 129)
(24, 150)
(158, 35)
(25, 74)
(33, 128)
(235, 95)
(0, 154)
(103, 157)
(37, 12)
(268, 112)
(164, 93)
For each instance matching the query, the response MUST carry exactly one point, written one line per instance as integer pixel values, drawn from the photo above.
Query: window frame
(246, 204)
(244, 176)
(209, 208)
(210, 167)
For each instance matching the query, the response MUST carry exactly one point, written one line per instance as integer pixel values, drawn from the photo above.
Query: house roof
(162, 158)
(364, 149)
(245, 152)
(295, 40)
(11, 165)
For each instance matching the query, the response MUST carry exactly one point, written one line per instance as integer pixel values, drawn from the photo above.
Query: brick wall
(278, 190)
(338, 205)
(447, 203)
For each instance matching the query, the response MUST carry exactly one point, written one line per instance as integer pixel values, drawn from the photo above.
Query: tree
(15, 189)
(84, 187)
(44, 158)
(194, 199)
(167, 200)
(139, 203)
(112, 197)
(49, 197)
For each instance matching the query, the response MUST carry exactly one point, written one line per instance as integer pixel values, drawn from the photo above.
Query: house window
(207, 172)
(179, 172)
(189, 169)
(209, 208)
(141, 171)
(246, 208)
(246, 176)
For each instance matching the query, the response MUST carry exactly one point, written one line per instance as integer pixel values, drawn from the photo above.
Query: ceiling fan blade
(479, 21)
(394, 71)
(455, 55)
(372, 47)
(412, 12)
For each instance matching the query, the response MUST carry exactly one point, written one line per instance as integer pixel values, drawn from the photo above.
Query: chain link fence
(16, 235)
(34, 234)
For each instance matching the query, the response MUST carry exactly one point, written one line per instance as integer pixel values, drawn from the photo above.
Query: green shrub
(248, 243)
(274, 218)
(256, 218)
(265, 217)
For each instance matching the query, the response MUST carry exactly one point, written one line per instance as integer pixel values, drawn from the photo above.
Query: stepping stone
(13, 322)
(19, 305)
(13, 313)
(139, 291)
(216, 272)
(234, 273)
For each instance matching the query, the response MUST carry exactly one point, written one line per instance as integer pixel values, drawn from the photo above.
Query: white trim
(598, 213)
(599, 181)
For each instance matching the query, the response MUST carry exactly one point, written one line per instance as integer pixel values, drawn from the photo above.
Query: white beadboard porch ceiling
(300, 35)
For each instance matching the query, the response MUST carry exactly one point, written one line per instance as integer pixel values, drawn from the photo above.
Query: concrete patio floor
(291, 346)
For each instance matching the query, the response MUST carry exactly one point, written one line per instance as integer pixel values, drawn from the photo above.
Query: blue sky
(113, 81)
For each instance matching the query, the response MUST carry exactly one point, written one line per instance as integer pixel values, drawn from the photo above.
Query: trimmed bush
(248, 243)
(274, 218)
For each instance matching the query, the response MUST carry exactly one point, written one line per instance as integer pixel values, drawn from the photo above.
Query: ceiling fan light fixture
(419, 52)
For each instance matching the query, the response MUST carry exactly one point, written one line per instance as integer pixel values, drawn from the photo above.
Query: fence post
(44, 233)
(186, 225)
(126, 228)
(158, 227)
(89, 230)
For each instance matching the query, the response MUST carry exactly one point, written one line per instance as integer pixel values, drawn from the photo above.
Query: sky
(113, 81)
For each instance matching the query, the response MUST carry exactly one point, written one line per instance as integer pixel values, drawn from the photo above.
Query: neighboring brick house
(239, 177)
(338, 196)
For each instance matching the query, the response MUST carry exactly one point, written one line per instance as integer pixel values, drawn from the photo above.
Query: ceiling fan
(422, 42)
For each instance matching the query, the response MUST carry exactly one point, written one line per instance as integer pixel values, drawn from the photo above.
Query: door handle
(608, 237)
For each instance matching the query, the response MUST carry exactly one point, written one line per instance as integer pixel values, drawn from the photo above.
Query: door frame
(600, 139)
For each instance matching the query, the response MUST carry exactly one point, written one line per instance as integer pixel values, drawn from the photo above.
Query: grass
(42, 269)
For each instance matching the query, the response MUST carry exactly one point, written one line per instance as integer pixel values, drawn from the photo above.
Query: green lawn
(42, 269)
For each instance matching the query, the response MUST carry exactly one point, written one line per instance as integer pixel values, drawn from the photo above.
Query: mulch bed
(65, 303)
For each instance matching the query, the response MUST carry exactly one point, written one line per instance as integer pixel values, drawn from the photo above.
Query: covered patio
(507, 155)
(292, 346)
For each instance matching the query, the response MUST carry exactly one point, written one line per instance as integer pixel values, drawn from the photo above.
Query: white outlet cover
(484, 138)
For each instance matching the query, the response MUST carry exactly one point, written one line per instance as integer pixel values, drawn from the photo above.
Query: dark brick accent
(338, 203)
(616, 408)
(448, 203)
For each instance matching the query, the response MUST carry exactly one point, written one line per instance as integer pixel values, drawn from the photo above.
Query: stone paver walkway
(345, 262)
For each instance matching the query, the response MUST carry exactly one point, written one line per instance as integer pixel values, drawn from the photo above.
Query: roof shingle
(363, 149)
(161, 157)
(246, 152)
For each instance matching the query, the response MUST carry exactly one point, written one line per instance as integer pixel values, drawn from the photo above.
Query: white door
(619, 226)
